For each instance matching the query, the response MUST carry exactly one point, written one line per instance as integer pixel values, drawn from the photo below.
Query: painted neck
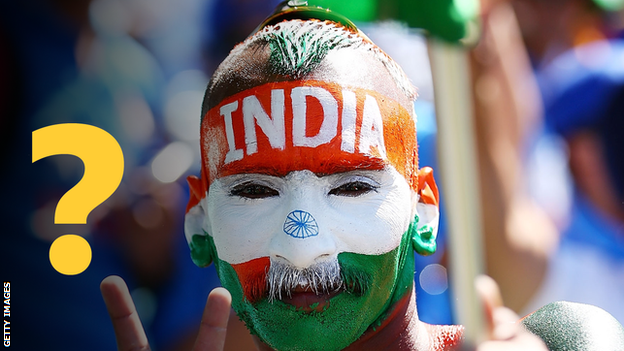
(402, 330)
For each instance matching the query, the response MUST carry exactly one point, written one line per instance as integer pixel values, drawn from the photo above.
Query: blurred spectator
(67, 61)
(550, 28)
(582, 90)
(578, 68)
(519, 237)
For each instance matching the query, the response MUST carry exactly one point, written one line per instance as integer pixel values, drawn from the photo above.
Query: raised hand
(129, 330)
(503, 327)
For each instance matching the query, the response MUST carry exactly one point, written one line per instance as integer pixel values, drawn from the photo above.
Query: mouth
(306, 300)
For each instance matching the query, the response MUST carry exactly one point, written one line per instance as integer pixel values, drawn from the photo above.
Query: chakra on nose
(300, 224)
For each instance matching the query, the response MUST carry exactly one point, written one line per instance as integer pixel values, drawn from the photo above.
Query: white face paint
(303, 218)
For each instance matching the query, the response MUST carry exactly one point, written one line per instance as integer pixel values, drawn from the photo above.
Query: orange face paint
(323, 127)
(252, 276)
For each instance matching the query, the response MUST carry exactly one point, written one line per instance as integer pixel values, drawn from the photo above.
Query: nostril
(278, 259)
(300, 224)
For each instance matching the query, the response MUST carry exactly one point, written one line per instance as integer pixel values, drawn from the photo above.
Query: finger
(505, 324)
(488, 291)
(213, 327)
(502, 322)
(126, 323)
(491, 299)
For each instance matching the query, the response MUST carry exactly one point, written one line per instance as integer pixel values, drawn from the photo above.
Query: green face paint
(282, 326)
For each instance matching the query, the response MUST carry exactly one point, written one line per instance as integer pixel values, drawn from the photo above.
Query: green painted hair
(298, 47)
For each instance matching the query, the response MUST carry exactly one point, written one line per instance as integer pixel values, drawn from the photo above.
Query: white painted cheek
(396, 210)
(374, 225)
(242, 229)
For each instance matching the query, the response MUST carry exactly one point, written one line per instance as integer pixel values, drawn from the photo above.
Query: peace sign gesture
(129, 330)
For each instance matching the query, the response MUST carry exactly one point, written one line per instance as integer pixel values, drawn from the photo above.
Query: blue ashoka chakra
(300, 224)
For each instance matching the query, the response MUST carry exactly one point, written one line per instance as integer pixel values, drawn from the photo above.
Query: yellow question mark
(103, 169)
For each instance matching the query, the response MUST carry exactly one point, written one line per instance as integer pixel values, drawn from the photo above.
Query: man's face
(304, 221)
(310, 209)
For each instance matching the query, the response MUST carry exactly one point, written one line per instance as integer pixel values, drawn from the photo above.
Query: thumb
(490, 297)
(501, 322)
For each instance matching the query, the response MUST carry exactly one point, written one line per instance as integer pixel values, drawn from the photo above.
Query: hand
(129, 330)
(503, 327)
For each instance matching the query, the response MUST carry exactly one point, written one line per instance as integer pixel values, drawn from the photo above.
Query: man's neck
(401, 330)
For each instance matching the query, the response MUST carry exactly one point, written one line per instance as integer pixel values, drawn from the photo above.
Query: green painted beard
(388, 278)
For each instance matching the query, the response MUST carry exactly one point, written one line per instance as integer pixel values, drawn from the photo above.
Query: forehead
(321, 126)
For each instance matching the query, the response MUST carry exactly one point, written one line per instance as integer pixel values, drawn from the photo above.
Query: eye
(353, 189)
(251, 190)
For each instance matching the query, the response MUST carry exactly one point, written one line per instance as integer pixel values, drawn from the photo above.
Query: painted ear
(424, 228)
(201, 250)
(427, 188)
(194, 221)
(197, 191)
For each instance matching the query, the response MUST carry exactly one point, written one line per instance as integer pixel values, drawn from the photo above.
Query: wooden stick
(457, 159)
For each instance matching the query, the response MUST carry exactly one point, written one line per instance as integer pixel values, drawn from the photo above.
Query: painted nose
(301, 242)
(300, 224)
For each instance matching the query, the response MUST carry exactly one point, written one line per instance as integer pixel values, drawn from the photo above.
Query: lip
(304, 299)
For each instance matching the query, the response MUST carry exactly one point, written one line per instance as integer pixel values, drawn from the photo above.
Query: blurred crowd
(548, 79)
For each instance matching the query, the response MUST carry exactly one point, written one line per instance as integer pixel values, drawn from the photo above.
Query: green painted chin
(283, 327)
(387, 277)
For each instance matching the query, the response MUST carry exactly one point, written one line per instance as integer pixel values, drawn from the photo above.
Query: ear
(195, 224)
(424, 228)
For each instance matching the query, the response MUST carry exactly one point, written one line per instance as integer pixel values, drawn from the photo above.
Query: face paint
(379, 281)
(361, 219)
(304, 175)
(281, 127)
(359, 211)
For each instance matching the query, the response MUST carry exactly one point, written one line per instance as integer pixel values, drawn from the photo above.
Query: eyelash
(353, 189)
(250, 190)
